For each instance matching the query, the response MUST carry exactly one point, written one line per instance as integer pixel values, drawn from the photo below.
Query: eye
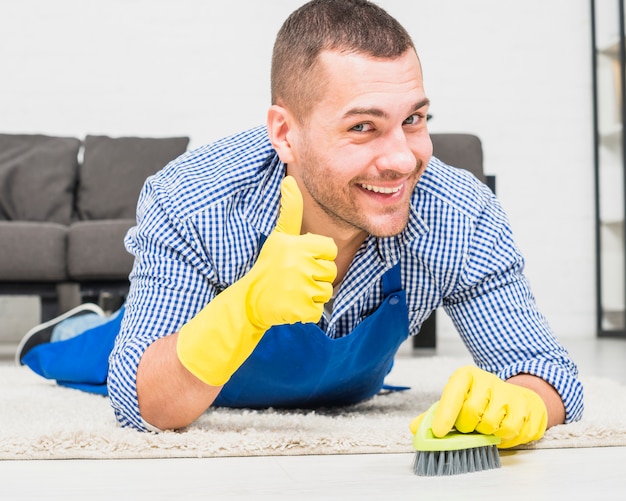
(364, 127)
(414, 119)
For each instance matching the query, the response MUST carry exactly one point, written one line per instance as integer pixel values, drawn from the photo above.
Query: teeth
(380, 189)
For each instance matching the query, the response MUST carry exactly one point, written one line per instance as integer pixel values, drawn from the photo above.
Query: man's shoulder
(232, 157)
(218, 170)
(452, 187)
(243, 147)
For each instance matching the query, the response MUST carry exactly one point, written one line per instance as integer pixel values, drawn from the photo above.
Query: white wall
(517, 74)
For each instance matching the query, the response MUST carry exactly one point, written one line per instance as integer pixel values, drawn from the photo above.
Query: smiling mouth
(381, 189)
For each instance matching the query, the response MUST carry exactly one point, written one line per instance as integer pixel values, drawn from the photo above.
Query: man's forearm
(554, 404)
(170, 397)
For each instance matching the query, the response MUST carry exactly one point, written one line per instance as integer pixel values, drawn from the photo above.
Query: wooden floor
(566, 474)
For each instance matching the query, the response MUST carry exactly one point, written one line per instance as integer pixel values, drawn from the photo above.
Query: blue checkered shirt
(200, 219)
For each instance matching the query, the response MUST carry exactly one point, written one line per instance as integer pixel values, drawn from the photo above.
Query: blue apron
(292, 366)
(299, 366)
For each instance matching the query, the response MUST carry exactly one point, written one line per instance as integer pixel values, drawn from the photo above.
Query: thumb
(416, 422)
(291, 207)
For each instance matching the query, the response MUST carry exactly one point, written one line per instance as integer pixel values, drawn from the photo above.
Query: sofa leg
(427, 336)
(49, 307)
(110, 302)
(68, 295)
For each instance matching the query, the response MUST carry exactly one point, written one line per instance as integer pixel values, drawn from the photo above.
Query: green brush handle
(425, 440)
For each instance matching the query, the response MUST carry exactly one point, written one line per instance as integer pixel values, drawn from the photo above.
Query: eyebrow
(377, 112)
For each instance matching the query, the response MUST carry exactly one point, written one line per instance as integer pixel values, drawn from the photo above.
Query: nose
(401, 153)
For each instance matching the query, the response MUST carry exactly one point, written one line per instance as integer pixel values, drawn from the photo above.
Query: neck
(347, 239)
(346, 251)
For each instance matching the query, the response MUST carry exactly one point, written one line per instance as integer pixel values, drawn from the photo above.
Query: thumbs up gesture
(290, 282)
(293, 276)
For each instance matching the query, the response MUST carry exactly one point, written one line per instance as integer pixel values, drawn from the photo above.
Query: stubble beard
(338, 204)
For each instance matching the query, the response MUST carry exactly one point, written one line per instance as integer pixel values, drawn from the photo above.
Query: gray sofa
(65, 206)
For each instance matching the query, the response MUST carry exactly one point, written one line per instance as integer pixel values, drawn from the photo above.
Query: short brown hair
(356, 26)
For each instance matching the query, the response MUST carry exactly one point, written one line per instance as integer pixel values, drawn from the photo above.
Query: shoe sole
(26, 345)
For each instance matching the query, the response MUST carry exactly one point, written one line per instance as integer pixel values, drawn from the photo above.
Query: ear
(279, 127)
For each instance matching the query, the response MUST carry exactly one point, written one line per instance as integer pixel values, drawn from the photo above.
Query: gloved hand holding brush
(290, 282)
(476, 400)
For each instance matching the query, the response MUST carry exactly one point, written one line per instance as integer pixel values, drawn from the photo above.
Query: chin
(387, 230)
(386, 223)
(385, 234)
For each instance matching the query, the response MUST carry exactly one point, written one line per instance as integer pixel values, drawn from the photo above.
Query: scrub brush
(453, 454)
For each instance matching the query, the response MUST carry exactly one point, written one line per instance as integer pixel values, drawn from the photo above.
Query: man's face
(361, 152)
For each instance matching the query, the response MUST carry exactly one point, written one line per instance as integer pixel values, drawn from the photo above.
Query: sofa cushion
(114, 170)
(37, 177)
(96, 250)
(32, 252)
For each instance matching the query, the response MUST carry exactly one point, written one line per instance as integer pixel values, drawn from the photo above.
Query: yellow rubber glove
(476, 400)
(290, 282)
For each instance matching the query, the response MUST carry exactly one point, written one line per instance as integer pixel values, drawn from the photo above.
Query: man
(285, 265)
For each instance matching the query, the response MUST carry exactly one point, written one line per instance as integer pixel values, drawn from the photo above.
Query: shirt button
(394, 299)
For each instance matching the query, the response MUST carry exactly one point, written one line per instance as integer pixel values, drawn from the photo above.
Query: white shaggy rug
(39, 420)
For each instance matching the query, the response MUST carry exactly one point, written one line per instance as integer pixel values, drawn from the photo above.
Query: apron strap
(392, 280)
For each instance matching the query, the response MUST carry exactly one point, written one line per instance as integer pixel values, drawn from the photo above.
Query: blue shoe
(42, 333)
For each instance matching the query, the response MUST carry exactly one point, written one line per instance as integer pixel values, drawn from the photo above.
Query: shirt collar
(263, 206)
(390, 248)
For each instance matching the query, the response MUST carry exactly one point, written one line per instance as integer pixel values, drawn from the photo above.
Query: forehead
(358, 80)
